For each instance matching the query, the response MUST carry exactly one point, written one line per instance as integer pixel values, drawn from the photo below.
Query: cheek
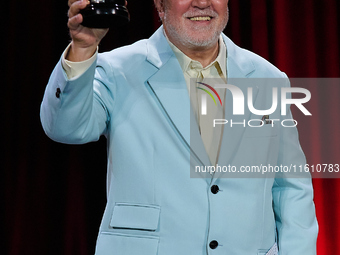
(179, 7)
(220, 2)
(221, 6)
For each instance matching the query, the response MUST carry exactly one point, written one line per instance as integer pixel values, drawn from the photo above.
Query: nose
(201, 4)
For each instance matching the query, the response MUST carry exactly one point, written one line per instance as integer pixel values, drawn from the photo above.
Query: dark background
(54, 194)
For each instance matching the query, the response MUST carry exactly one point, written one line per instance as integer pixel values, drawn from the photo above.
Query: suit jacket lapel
(238, 70)
(170, 89)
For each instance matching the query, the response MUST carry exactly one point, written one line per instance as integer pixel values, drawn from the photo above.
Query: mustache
(196, 13)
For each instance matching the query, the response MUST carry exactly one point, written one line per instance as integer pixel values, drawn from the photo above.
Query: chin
(206, 41)
(192, 37)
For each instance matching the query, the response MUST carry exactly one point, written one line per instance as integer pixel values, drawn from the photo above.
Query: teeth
(200, 18)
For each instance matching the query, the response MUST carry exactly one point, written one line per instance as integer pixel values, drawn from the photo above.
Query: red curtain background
(53, 195)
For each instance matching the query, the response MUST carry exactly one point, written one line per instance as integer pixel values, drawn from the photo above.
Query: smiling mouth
(203, 18)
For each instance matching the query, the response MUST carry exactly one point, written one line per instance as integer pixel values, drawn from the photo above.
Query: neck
(204, 55)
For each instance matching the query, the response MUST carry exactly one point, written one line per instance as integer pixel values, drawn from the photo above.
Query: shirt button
(58, 92)
(215, 189)
(213, 244)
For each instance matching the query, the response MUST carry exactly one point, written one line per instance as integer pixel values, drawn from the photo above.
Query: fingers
(70, 2)
(75, 21)
(76, 6)
(75, 18)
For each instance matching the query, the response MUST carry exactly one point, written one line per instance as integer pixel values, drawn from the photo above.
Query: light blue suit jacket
(137, 97)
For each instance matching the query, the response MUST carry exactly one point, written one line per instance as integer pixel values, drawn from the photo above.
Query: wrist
(78, 54)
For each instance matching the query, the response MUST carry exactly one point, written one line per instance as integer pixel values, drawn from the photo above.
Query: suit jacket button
(213, 244)
(58, 92)
(215, 189)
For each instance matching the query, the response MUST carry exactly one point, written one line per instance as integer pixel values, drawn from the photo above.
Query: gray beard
(180, 36)
(189, 42)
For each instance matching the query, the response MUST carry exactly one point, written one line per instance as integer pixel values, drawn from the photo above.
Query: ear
(160, 8)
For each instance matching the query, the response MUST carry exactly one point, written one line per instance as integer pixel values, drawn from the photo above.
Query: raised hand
(84, 40)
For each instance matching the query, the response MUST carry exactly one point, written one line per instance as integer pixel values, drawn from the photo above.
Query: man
(137, 96)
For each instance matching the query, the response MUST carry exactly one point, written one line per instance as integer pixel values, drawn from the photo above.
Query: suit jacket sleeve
(294, 209)
(76, 111)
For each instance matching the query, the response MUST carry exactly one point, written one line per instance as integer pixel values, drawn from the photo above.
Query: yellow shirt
(214, 73)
